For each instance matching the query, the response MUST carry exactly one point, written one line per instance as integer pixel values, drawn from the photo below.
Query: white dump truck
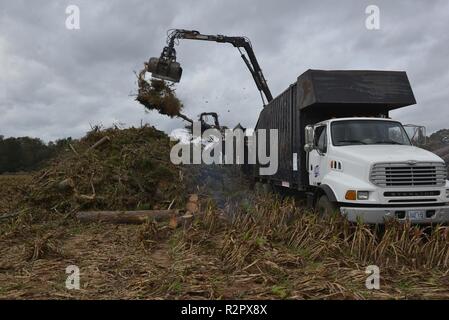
(338, 146)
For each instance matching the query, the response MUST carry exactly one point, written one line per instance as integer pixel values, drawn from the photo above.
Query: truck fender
(324, 188)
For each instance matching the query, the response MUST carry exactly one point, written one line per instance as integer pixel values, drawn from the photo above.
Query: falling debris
(159, 95)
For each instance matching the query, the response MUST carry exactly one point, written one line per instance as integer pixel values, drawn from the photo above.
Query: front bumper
(379, 215)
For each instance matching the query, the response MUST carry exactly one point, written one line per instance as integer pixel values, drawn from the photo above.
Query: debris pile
(11, 186)
(112, 169)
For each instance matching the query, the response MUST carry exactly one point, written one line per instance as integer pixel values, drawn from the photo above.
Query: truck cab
(367, 169)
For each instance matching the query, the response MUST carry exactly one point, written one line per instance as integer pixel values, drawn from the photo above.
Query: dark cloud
(55, 82)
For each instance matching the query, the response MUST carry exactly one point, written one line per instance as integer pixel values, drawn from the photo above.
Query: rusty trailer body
(318, 95)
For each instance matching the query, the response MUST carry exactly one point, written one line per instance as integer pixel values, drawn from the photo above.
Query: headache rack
(406, 174)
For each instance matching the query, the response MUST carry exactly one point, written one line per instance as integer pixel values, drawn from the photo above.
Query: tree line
(438, 139)
(25, 153)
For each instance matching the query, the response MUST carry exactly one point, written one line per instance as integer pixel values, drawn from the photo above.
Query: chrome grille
(405, 174)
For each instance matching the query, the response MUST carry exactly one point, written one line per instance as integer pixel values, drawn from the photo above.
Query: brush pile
(158, 95)
(10, 187)
(112, 169)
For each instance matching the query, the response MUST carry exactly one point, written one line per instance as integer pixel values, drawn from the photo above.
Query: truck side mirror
(417, 134)
(309, 138)
(422, 138)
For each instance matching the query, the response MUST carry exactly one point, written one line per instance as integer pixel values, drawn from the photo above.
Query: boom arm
(167, 68)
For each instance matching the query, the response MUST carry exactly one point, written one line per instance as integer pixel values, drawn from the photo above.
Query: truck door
(317, 157)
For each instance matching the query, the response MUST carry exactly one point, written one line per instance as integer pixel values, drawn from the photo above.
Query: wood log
(131, 217)
(67, 184)
(73, 149)
(193, 197)
(98, 143)
(9, 215)
(192, 207)
(192, 204)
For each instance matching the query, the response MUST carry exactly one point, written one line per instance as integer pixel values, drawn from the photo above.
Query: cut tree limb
(132, 217)
(73, 149)
(9, 215)
(98, 143)
(12, 215)
(66, 184)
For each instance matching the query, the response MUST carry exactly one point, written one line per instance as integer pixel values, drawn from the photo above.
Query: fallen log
(131, 217)
(73, 149)
(67, 184)
(12, 215)
(192, 204)
(98, 143)
(9, 215)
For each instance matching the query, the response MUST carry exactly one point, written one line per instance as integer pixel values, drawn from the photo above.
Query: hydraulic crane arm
(167, 68)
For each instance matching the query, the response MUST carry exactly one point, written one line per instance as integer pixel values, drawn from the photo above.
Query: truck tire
(325, 207)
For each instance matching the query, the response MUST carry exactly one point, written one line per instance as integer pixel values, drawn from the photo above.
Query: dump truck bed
(387, 90)
(319, 95)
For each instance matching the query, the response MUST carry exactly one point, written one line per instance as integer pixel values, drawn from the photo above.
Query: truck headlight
(356, 195)
(362, 195)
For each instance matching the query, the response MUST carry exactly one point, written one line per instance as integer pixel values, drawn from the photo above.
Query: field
(241, 245)
(271, 250)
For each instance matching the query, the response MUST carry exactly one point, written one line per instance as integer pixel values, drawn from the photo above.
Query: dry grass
(270, 250)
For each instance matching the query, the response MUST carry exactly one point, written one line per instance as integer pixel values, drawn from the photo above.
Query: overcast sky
(56, 82)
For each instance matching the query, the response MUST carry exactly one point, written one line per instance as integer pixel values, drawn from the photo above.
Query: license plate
(416, 214)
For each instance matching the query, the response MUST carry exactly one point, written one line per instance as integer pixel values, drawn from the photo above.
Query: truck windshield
(352, 132)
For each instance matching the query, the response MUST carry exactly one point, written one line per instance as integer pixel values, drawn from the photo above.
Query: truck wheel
(325, 207)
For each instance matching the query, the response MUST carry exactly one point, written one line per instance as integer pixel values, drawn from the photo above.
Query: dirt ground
(270, 250)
